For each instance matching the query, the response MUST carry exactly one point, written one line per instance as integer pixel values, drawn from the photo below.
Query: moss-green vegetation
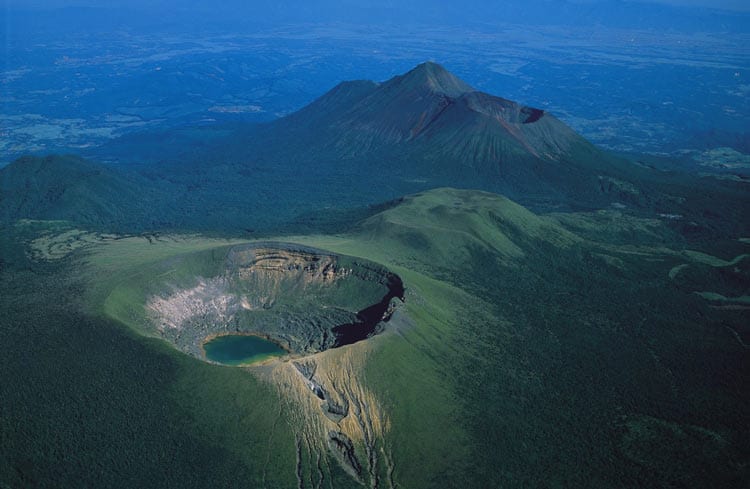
(536, 351)
(527, 365)
(85, 403)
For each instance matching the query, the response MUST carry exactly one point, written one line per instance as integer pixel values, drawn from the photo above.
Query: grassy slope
(535, 358)
(555, 369)
(89, 403)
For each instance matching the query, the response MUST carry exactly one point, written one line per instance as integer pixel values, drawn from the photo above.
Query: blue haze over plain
(661, 77)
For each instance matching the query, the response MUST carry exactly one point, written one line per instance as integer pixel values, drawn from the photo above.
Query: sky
(736, 5)
(739, 5)
(653, 15)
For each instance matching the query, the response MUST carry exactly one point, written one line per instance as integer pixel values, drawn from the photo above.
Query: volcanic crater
(304, 299)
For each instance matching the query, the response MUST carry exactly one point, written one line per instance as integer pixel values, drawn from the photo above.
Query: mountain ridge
(360, 144)
(427, 125)
(405, 106)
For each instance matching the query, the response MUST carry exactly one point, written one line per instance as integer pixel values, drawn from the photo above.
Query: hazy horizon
(736, 5)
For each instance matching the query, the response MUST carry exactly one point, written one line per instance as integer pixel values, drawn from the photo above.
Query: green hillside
(362, 143)
(71, 188)
(530, 350)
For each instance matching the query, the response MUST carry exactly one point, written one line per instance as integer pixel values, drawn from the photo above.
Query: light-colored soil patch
(57, 246)
(713, 261)
(676, 270)
(209, 297)
(713, 296)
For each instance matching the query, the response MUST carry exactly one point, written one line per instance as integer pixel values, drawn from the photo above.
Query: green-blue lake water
(240, 349)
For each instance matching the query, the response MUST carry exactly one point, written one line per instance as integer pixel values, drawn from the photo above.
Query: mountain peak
(436, 78)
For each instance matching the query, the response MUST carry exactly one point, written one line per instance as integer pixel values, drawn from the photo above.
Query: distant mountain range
(427, 124)
(429, 107)
(360, 144)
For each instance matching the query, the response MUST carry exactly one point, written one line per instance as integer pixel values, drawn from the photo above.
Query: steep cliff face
(306, 300)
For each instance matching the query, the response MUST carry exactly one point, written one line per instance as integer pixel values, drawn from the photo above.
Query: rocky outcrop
(335, 408)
